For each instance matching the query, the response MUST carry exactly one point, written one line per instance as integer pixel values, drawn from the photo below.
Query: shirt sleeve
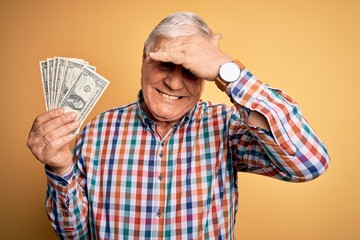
(67, 204)
(291, 151)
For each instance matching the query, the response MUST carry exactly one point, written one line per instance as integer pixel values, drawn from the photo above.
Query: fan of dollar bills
(71, 83)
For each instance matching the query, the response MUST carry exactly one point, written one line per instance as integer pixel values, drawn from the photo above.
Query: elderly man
(166, 165)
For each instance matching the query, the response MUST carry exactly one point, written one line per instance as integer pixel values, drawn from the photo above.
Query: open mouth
(167, 96)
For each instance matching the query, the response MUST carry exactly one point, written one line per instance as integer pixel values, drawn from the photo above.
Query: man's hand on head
(196, 53)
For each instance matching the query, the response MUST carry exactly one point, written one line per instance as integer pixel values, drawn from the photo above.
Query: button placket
(161, 154)
(160, 175)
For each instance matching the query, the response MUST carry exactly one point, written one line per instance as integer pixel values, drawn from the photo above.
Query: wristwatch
(229, 72)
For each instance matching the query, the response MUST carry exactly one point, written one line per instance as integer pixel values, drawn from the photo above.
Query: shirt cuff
(60, 183)
(246, 89)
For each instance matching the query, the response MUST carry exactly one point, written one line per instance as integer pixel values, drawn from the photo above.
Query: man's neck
(162, 126)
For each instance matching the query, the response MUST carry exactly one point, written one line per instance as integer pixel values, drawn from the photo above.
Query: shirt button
(158, 213)
(161, 155)
(240, 94)
(162, 144)
(160, 177)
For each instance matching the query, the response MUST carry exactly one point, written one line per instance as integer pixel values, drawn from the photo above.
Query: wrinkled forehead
(160, 42)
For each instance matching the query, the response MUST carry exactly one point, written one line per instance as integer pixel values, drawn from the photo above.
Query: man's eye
(166, 66)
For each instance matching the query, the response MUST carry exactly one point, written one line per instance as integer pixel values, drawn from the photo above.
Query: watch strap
(220, 83)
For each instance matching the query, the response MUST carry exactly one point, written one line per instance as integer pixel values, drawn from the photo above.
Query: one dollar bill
(71, 84)
(84, 93)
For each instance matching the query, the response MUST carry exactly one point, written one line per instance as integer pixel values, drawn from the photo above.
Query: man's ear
(144, 55)
(143, 60)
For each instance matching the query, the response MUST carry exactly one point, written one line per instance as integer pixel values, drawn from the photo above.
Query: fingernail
(72, 115)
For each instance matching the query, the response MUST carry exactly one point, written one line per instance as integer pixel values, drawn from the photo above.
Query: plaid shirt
(130, 183)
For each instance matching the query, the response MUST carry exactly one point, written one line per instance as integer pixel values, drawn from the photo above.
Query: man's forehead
(161, 42)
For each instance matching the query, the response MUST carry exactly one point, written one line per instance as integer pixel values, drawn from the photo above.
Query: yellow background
(308, 48)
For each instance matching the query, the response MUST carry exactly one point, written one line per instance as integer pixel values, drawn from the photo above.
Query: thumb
(215, 40)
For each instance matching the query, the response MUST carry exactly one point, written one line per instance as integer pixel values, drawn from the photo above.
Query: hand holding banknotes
(71, 90)
(50, 136)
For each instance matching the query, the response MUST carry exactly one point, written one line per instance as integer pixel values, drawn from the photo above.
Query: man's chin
(166, 118)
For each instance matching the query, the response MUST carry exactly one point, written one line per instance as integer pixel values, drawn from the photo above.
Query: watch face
(229, 72)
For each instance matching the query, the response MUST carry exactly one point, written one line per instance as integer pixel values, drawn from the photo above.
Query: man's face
(169, 90)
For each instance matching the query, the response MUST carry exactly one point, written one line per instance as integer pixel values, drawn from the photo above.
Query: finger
(55, 145)
(49, 152)
(42, 118)
(174, 57)
(215, 40)
(60, 132)
(55, 123)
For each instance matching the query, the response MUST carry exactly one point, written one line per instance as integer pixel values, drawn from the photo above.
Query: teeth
(169, 96)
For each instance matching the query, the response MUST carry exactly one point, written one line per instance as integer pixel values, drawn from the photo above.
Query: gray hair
(178, 24)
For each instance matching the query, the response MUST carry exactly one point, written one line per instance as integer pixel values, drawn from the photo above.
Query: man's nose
(175, 79)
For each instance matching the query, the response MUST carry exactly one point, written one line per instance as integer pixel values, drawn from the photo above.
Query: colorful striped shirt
(128, 182)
